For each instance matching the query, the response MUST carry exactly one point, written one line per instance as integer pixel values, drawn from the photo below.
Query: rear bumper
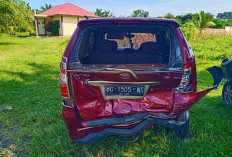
(86, 132)
(92, 137)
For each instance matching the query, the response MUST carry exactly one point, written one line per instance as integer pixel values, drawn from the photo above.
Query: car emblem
(124, 76)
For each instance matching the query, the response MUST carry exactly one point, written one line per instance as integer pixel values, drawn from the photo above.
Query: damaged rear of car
(121, 76)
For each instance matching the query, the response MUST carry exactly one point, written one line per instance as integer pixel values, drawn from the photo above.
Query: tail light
(63, 78)
(184, 79)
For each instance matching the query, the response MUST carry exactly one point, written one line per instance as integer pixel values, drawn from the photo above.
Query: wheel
(227, 93)
(183, 130)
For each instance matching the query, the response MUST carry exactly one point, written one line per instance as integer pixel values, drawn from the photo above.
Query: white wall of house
(69, 25)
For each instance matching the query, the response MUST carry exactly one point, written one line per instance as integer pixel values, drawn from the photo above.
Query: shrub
(55, 30)
(33, 33)
(52, 27)
(190, 31)
(23, 34)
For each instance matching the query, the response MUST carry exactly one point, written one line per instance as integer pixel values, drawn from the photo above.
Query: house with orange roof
(65, 16)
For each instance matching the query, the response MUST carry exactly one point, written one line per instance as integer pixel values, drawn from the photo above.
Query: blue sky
(155, 7)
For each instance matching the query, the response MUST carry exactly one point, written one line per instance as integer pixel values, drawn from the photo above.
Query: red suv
(119, 76)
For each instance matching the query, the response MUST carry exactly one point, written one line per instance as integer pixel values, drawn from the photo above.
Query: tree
(225, 15)
(17, 14)
(169, 16)
(179, 21)
(140, 13)
(219, 23)
(203, 20)
(38, 11)
(209, 16)
(46, 7)
(190, 31)
(103, 13)
(185, 18)
(228, 23)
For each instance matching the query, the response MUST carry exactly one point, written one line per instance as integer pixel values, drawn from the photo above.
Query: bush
(52, 28)
(190, 31)
(23, 34)
(33, 33)
(55, 31)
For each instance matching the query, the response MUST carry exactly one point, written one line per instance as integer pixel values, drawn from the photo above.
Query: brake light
(184, 79)
(63, 78)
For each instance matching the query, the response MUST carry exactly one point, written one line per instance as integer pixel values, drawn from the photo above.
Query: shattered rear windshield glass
(128, 44)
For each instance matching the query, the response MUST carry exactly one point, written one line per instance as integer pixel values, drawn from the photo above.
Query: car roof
(128, 20)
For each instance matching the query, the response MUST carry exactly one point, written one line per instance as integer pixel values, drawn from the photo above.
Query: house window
(57, 22)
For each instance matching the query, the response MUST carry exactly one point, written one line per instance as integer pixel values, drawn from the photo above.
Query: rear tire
(227, 93)
(183, 130)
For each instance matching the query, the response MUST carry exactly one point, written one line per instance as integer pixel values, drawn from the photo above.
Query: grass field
(29, 82)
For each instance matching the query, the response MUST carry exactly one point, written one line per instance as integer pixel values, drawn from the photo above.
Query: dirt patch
(10, 146)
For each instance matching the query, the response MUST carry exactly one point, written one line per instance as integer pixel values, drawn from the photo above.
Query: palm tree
(203, 20)
(46, 7)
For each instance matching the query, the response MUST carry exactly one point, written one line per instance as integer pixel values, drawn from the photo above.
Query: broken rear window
(128, 44)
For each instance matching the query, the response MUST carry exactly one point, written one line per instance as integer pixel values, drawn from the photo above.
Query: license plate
(124, 90)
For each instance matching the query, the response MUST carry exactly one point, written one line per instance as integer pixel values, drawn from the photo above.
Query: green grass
(29, 82)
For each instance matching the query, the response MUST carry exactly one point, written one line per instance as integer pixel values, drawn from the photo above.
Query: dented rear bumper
(88, 131)
(141, 126)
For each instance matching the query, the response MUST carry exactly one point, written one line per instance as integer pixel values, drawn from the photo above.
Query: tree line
(201, 20)
(17, 16)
